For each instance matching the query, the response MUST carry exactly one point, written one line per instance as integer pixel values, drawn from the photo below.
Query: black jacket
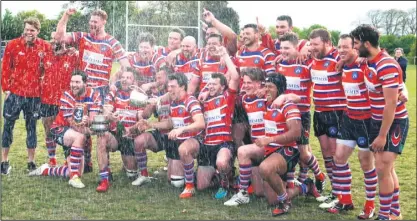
(403, 64)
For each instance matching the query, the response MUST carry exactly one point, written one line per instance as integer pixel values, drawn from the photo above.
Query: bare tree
(375, 17)
(411, 21)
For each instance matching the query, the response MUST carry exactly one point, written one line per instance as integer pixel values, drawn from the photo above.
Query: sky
(303, 13)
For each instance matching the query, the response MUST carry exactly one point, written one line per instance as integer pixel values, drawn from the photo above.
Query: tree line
(398, 27)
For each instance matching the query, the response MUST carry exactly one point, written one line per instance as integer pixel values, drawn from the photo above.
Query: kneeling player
(217, 149)
(70, 128)
(282, 129)
(124, 117)
(186, 121)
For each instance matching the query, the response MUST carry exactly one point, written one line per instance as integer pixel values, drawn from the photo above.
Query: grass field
(44, 198)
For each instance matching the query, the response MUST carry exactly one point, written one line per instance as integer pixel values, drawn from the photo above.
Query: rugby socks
(314, 166)
(104, 174)
(142, 160)
(385, 200)
(342, 182)
(371, 182)
(61, 171)
(283, 197)
(189, 173)
(51, 147)
(76, 155)
(328, 163)
(302, 174)
(245, 172)
(395, 204)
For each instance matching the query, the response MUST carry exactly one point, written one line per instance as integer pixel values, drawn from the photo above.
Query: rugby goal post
(198, 27)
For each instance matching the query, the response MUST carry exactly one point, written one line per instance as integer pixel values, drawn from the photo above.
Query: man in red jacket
(21, 78)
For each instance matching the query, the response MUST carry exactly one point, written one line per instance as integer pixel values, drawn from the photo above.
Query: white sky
(303, 13)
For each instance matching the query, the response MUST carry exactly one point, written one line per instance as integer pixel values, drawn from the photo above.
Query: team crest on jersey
(275, 113)
(217, 102)
(298, 70)
(41, 54)
(257, 60)
(193, 64)
(180, 111)
(221, 67)
(370, 75)
(103, 48)
(355, 75)
(66, 65)
(260, 104)
(326, 64)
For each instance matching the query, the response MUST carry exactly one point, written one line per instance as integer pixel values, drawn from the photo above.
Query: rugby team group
(243, 97)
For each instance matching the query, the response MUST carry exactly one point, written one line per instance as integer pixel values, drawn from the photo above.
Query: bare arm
(293, 133)
(61, 28)
(197, 125)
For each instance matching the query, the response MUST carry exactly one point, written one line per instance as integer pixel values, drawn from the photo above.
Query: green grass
(44, 198)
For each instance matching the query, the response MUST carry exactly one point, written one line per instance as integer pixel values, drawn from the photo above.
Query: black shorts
(48, 110)
(15, 103)
(207, 155)
(326, 123)
(354, 130)
(291, 156)
(305, 133)
(396, 136)
(58, 136)
(163, 143)
(126, 146)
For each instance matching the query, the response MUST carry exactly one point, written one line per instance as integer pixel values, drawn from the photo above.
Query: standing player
(389, 123)
(328, 97)
(186, 62)
(215, 26)
(97, 49)
(58, 67)
(283, 25)
(21, 81)
(77, 110)
(298, 80)
(210, 62)
(217, 150)
(354, 130)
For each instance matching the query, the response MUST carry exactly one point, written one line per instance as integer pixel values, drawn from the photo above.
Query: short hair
(180, 31)
(255, 74)
(34, 22)
(345, 36)
(223, 80)
(80, 73)
(181, 79)
(147, 37)
(402, 50)
(254, 26)
(285, 18)
(100, 13)
(324, 35)
(291, 37)
(366, 32)
(216, 36)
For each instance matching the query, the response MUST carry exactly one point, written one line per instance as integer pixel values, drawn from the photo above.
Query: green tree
(8, 27)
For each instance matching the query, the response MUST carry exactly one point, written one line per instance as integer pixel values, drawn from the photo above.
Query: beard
(363, 52)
